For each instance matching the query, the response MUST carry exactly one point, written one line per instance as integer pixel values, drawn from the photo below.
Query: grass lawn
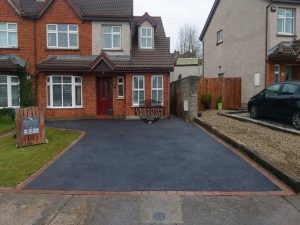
(6, 126)
(18, 164)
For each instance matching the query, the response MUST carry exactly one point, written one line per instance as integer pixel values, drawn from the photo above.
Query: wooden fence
(30, 126)
(228, 88)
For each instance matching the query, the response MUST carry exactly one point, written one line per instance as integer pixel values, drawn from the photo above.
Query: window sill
(64, 107)
(140, 106)
(219, 43)
(146, 49)
(120, 98)
(63, 49)
(286, 35)
(113, 49)
(10, 107)
(9, 48)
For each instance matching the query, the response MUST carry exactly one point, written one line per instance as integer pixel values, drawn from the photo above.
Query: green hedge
(7, 115)
(27, 98)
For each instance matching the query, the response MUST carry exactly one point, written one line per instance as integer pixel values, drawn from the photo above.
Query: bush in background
(7, 115)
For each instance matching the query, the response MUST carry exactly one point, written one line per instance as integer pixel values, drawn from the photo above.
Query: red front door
(104, 95)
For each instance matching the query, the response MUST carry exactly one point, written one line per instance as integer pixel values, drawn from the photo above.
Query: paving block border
(289, 179)
(6, 132)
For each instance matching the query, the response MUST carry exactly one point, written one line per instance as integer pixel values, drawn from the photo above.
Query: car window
(298, 91)
(289, 89)
(273, 90)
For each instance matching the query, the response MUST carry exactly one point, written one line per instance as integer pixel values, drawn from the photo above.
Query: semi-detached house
(90, 58)
(257, 40)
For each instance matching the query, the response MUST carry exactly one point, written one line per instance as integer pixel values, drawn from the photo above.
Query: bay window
(8, 35)
(111, 37)
(9, 91)
(64, 91)
(286, 21)
(138, 90)
(63, 36)
(157, 90)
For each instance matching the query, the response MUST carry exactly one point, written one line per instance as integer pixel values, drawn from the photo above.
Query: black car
(278, 101)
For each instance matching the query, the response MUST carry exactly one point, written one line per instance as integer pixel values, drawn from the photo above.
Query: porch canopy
(11, 63)
(105, 63)
(287, 56)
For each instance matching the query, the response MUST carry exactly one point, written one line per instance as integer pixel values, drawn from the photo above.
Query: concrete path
(170, 155)
(28, 209)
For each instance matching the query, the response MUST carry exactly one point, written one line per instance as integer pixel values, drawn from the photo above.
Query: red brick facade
(26, 47)
(270, 79)
(32, 47)
(122, 108)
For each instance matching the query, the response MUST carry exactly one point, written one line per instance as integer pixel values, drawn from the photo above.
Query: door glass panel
(289, 73)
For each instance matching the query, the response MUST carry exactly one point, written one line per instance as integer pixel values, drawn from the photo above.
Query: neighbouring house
(90, 58)
(185, 67)
(256, 40)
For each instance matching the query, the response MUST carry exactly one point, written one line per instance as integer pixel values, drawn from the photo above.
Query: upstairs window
(286, 21)
(146, 37)
(9, 91)
(111, 37)
(64, 36)
(220, 37)
(8, 35)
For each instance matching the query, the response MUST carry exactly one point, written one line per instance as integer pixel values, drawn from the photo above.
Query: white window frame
(276, 73)
(157, 89)
(9, 84)
(220, 35)
(67, 32)
(50, 84)
(10, 31)
(121, 84)
(146, 37)
(112, 33)
(138, 89)
(284, 17)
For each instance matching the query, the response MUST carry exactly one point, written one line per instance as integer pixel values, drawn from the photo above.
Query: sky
(175, 13)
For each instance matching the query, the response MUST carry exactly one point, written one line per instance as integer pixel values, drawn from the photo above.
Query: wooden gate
(228, 88)
(30, 126)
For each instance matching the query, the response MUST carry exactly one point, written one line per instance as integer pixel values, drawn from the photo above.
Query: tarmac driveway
(118, 155)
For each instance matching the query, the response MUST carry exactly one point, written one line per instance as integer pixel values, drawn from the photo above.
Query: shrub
(7, 115)
(206, 100)
(27, 98)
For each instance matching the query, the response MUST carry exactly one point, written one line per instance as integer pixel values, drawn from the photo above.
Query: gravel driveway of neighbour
(281, 148)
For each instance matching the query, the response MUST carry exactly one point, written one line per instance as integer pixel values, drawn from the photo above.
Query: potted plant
(206, 100)
(220, 103)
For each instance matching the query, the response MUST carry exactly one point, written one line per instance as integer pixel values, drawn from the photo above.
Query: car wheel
(254, 112)
(296, 120)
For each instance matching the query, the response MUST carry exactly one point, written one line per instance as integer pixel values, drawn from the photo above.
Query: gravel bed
(281, 148)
